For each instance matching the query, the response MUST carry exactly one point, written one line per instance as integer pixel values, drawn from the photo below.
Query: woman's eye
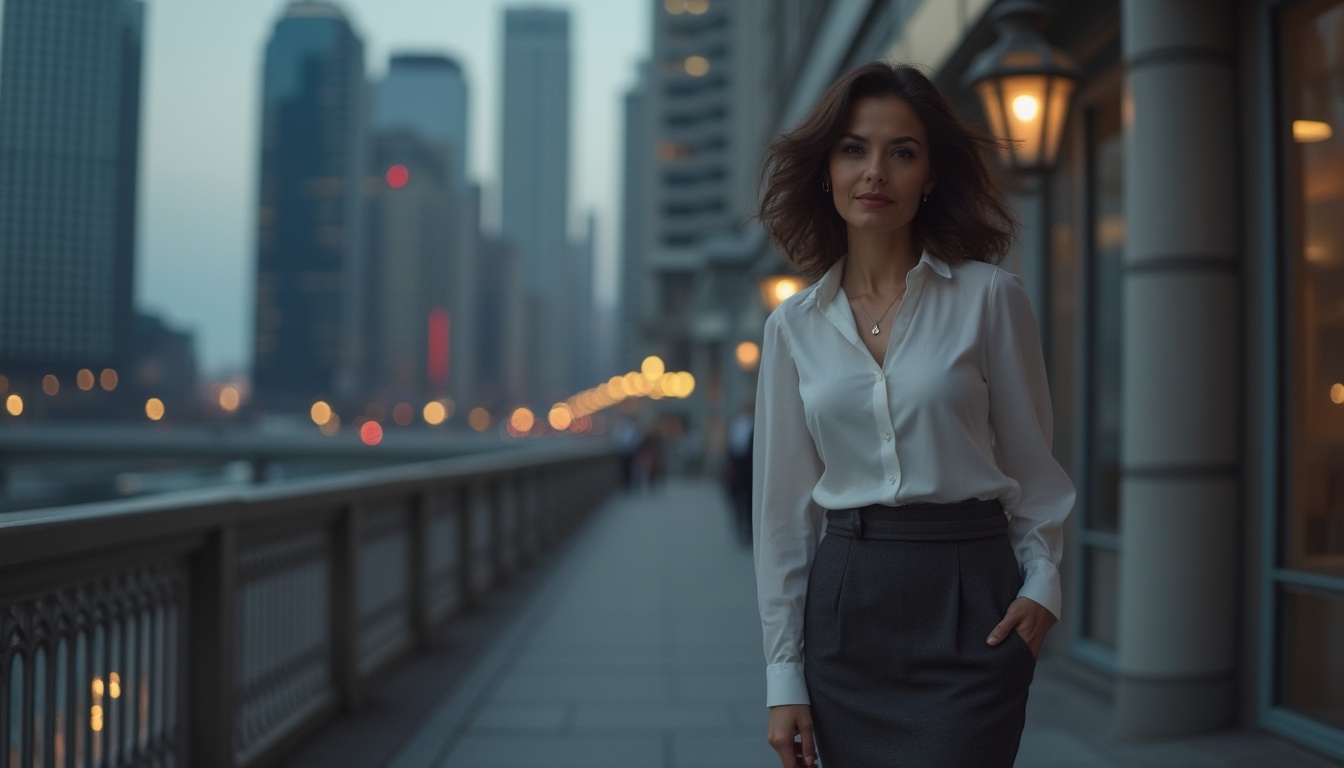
(851, 149)
(904, 153)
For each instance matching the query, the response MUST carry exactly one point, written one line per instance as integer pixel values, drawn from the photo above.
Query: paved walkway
(639, 647)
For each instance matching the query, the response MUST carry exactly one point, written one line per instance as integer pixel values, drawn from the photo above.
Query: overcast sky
(199, 129)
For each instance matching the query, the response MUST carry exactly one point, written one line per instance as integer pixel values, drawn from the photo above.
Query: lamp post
(1024, 85)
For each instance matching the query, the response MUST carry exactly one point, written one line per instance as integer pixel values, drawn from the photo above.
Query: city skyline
(199, 154)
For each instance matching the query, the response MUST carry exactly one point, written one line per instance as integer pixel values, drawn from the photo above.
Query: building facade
(69, 149)
(534, 188)
(310, 240)
(426, 94)
(1183, 257)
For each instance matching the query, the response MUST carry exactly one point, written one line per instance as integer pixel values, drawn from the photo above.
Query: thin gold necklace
(876, 329)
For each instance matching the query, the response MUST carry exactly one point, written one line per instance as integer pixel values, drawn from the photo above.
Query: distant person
(649, 467)
(738, 470)
(903, 403)
(628, 436)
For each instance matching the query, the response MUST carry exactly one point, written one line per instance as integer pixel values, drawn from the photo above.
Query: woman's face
(880, 167)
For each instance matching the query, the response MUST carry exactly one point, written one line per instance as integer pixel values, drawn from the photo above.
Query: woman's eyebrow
(899, 140)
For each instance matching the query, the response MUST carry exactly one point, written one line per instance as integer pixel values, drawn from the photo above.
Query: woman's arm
(786, 523)
(1023, 424)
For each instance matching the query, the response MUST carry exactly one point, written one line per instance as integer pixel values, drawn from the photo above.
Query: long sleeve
(786, 522)
(1022, 422)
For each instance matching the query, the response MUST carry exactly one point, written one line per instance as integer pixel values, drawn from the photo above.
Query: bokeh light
(84, 379)
(14, 405)
(154, 409)
(108, 379)
(1337, 394)
(652, 367)
(478, 419)
(403, 414)
(51, 385)
(748, 355)
(371, 433)
(435, 413)
(332, 425)
(230, 398)
(320, 412)
(560, 417)
(397, 176)
(522, 420)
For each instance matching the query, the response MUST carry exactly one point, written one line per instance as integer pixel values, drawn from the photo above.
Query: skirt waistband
(924, 521)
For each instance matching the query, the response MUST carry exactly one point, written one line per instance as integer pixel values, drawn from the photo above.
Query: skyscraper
(309, 319)
(69, 139)
(426, 94)
(534, 177)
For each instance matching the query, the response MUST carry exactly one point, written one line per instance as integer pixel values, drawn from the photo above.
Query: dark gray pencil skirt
(899, 603)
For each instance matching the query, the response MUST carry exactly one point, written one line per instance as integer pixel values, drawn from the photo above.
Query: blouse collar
(829, 284)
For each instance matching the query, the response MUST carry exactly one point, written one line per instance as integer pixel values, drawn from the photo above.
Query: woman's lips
(874, 201)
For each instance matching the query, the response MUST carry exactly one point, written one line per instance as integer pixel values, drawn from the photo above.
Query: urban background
(327, 317)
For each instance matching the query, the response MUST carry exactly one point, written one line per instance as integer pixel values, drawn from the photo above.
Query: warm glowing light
(776, 288)
(478, 419)
(154, 408)
(96, 718)
(403, 414)
(371, 433)
(696, 66)
(582, 425)
(332, 426)
(114, 685)
(616, 386)
(51, 385)
(435, 413)
(14, 404)
(522, 420)
(97, 686)
(320, 412)
(84, 379)
(1311, 131)
(748, 355)
(108, 379)
(652, 367)
(560, 417)
(230, 398)
(1337, 394)
(697, 7)
(686, 385)
(675, 6)
(397, 176)
(1026, 107)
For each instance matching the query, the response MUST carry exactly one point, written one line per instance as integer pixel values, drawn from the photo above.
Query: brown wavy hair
(965, 217)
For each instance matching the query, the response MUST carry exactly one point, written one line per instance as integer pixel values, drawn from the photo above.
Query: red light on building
(439, 332)
(371, 433)
(397, 176)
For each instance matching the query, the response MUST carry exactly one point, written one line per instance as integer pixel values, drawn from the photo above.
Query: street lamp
(1024, 85)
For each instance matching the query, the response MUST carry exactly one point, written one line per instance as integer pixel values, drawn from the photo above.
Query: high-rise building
(69, 138)
(424, 234)
(579, 292)
(426, 94)
(309, 313)
(534, 180)
(637, 170)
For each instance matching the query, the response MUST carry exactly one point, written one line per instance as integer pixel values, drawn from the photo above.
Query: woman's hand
(1031, 620)
(786, 722)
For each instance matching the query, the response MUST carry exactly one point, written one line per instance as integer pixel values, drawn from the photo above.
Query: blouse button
(892, 479)
(886, 436)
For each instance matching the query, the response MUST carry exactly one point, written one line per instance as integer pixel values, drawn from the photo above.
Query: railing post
(211, 651)
(345, 606)
(418, 558)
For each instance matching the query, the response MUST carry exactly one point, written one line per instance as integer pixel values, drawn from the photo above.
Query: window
(1308, 572)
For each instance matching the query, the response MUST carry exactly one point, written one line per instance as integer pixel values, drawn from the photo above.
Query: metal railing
(219, 630)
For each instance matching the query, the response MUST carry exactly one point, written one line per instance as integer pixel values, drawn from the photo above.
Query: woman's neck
(877, 263)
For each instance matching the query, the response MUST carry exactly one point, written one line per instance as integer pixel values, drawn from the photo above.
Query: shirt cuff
(1040, 583)
(784, 684)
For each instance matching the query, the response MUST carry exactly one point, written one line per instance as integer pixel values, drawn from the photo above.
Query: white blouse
(960, 409)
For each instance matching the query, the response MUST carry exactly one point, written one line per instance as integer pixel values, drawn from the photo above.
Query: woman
(902, 401)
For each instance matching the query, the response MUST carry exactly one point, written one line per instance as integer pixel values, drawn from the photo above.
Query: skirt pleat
(899, 603)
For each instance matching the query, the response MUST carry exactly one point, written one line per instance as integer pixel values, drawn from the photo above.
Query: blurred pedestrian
(903, 403)
(628, 436)
(737, 472)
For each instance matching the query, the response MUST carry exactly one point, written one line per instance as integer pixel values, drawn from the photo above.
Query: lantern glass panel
(1061, 92)
(1024, 108)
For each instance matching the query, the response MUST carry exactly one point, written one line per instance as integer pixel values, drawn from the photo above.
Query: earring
(825, 186)
(926, 197)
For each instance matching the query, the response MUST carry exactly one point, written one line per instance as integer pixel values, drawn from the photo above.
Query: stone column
(1179, 452)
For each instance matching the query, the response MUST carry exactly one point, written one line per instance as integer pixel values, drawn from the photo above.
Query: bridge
(507, 611)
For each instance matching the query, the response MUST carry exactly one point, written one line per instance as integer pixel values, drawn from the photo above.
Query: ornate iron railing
(218, 630)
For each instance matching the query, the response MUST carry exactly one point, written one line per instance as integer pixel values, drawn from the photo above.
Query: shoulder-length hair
(965, 217)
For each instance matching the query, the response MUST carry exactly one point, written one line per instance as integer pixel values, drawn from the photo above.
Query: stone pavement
(638, 646)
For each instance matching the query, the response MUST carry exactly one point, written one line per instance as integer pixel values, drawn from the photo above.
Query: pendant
(876, 330)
